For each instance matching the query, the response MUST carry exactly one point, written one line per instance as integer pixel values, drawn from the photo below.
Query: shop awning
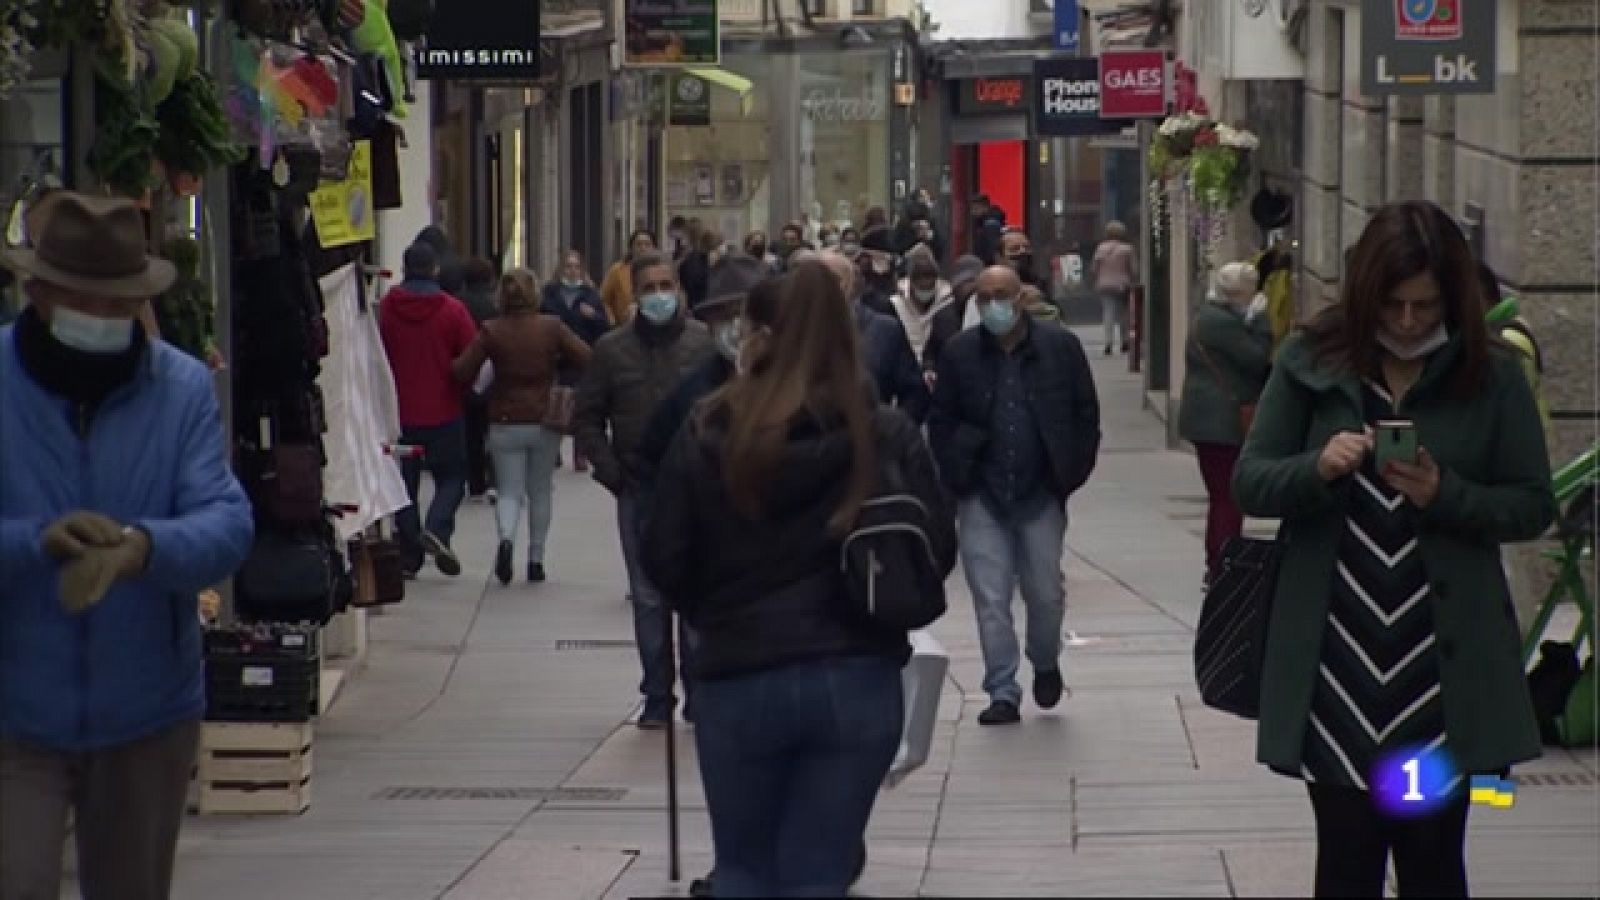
(739, 84)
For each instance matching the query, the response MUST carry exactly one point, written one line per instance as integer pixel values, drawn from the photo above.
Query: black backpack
(892, 573)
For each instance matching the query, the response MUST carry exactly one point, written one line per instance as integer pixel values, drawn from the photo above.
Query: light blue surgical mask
(1000, 316)
(572, 284)
(91, 334)
(659, 307)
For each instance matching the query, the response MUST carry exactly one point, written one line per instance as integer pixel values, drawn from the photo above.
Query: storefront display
(821, 119)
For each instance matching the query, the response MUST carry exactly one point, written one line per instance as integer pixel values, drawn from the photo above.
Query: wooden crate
(254, 768)
(245, 798)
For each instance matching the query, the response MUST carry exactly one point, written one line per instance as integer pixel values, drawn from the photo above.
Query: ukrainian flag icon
(1487, 790)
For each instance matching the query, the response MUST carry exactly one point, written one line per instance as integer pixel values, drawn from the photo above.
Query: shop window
(864, 7)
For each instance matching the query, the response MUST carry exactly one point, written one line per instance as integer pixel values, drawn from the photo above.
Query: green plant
(1214, 173)
(185, 312)
(124, 149)
(194, 133)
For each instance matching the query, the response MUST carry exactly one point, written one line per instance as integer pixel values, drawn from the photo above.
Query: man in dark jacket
(875, 269)
(424, 329)
(1016, 428)
(885, 347)
(732, 280)
(632, 370)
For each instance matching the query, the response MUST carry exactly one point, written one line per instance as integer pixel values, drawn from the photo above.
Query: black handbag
(1230, 641)
(288, 577)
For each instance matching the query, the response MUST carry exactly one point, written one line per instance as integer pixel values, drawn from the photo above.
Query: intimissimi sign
(482, 39)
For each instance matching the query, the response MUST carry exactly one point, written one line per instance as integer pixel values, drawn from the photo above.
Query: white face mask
(1435, 339)
(91, 334)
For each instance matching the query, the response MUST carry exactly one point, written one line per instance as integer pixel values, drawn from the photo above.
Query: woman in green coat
(1226, 363)
(1392, 635)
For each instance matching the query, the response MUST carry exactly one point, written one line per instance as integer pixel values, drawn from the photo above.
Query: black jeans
(1354, 840)
(480, 473)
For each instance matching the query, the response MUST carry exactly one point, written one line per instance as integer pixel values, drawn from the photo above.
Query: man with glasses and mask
(1016, 253)
(632, 370)
(877, 284)
(1015, 428)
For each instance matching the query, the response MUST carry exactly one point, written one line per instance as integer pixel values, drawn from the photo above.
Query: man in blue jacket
(117, 507)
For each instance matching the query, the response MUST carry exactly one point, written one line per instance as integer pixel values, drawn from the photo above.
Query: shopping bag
(923, 682)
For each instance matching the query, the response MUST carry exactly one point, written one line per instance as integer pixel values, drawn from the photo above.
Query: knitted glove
(71, 535)
(86, 580)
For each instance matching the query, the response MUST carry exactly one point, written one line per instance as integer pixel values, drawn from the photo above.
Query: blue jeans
(791, 759)
(999, 557)
(652, 621)
(524, 465)
(445, 449)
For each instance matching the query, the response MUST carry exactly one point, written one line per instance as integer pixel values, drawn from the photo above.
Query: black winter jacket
(1060, 390)
(764, 593)
(591, 328)
(892, 362)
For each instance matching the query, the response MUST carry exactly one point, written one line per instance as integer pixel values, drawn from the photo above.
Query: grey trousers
(129, 804)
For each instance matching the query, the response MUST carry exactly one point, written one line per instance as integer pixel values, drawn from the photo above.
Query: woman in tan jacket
(616, 291)
(527, 349)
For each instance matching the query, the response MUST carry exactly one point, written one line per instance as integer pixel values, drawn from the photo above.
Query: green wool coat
(1494, 487)
(1241, 353)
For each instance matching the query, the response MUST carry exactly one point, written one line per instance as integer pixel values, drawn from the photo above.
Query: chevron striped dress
(1378, 687)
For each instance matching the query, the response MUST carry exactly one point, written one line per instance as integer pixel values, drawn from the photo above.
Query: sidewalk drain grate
(559, 795)
(595, 645)
(1556, 779)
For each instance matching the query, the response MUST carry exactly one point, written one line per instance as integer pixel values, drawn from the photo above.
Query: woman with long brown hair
(528, 350)
(798, 702)
(1400, 446)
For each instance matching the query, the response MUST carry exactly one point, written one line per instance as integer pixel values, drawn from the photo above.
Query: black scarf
(83, 378)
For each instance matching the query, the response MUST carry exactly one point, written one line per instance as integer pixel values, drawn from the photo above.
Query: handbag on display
(1230, 640)
(284, 482)
(379, 570)
(558, 412)
(288, 577)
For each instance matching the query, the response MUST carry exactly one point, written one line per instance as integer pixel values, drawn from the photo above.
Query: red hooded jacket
(424, 330)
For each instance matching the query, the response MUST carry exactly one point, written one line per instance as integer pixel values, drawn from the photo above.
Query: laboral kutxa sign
(1427, 47)
(671, 33)
(1133, 84)
(482, 39)
(1066, 98)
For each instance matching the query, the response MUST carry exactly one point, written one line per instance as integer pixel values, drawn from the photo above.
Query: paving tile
(526, 870)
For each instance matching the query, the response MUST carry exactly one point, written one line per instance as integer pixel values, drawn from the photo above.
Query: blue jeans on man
(445, 457)
(652, 621)
(1000, 556)
(792, 759)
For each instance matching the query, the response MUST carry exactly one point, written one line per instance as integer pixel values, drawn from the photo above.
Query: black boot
(502, 562)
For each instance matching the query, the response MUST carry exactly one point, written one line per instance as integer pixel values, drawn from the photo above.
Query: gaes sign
(1133, 84)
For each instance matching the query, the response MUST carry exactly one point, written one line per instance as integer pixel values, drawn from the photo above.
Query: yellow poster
(343, 210)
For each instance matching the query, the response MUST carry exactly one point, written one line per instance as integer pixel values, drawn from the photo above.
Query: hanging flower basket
(1213, 161)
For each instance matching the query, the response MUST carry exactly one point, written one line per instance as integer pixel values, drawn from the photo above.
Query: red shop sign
(1133, 84)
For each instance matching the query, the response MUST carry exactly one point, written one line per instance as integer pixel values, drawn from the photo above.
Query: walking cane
(672, 766)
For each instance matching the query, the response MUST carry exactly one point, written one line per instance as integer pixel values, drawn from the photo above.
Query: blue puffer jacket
(154, 458)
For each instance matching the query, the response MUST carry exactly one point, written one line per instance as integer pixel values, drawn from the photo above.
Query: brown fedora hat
(89, 244)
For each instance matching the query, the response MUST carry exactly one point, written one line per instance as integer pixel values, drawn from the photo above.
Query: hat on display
(91, 244)
(1271, 209)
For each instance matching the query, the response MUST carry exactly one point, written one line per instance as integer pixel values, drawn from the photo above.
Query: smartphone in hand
(1394, 440)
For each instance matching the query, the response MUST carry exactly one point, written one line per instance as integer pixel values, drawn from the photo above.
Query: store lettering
(1134, 79)
(446, 57)
(1001, 92)
(1063, 97)
(834, 106)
